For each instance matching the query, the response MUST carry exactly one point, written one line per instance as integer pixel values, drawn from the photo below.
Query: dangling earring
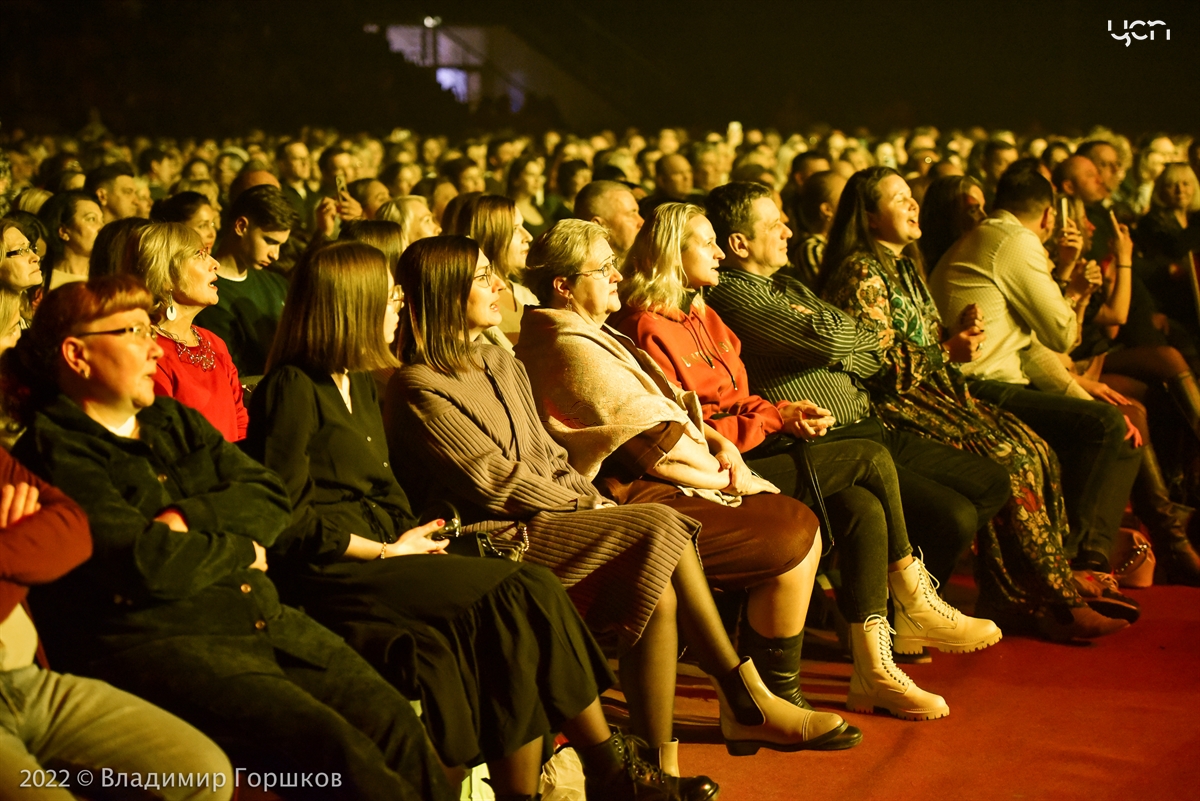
(171, 313)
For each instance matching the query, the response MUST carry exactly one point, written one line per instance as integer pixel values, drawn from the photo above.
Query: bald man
(612, 205)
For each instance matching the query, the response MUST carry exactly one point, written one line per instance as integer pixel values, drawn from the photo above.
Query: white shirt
(1003, 268)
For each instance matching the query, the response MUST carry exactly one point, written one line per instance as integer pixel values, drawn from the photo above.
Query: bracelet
(383, 551)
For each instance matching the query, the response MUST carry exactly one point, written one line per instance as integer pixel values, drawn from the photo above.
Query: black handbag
(478, 543)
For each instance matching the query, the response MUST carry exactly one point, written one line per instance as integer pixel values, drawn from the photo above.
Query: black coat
(166, 596)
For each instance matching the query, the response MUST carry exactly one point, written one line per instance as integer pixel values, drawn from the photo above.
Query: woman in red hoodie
(674, 257)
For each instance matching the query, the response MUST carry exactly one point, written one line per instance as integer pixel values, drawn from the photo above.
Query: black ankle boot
(615, 772)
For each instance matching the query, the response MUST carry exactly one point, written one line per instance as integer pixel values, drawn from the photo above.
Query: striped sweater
(795, 346)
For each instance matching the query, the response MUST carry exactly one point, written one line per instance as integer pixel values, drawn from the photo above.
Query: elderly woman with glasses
(196, 368)
(463, 416)
(623, 423)
(175, 604)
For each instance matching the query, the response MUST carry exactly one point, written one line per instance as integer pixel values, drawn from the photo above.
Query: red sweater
(42, 547)
(216, 394)
(700, 353)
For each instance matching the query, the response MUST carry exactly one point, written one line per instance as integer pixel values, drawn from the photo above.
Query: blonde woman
(414, 217)
(1166, 238)
(195, 368)
(673, 260)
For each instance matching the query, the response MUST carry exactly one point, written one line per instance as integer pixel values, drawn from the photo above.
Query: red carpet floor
(1117, 719)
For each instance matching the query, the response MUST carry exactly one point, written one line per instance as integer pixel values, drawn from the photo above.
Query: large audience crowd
(301, 429)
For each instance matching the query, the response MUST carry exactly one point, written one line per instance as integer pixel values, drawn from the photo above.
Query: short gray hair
(560, 253)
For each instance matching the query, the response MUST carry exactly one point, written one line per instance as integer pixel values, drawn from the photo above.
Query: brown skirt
(742, 546)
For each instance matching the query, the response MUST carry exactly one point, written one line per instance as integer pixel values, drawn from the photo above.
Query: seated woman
(526, 185)
(20, 266)
(494, 648)
(1166, 238)
(572, 176)
(1024, 576)
(412, 213)
(463, 427)
(609, 405)
(72, 220)
(193, 210)
(498, 226)
(673, 258)
(175, 605)
(195, 368)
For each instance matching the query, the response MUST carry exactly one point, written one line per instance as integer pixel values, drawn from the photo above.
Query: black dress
(494, 649)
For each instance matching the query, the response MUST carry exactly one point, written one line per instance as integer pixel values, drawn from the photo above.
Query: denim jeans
(1098, 464)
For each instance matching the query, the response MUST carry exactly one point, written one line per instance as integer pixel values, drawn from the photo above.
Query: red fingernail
(440, 522)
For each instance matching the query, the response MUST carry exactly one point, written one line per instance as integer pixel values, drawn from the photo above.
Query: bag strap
(814, 485)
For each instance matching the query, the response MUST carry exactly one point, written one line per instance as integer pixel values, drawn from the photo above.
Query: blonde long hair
(654, 267)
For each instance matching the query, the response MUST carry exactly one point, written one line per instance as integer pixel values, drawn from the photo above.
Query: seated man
(797, 347)
(1002, 268)
(612, 205)
(672, 183)
(60, 722)
(115, 191)
(250, 298)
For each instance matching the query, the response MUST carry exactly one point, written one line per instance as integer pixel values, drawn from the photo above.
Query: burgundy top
(42, 547)
(216, 393)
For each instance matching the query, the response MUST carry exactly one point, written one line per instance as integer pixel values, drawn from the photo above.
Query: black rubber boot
(777, 660)
(778, 663)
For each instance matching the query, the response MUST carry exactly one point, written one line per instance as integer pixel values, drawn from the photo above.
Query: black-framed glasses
(606, 271)
(485, 278)
(22, 251)
(144, 331)
(396, 296)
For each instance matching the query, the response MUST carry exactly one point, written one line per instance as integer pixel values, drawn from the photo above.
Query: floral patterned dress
(1021, 568)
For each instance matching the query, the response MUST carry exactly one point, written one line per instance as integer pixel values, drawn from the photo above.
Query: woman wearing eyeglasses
(644, 440)
(20, 266)
(175, 605)
(463, 415)
(195, 368)
(493, 648)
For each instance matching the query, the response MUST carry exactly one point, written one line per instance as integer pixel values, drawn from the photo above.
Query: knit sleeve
(464, 459)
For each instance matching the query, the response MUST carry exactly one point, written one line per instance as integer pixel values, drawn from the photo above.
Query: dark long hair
(851, 236)
(56, 213)
(436, 275)
(942, 213)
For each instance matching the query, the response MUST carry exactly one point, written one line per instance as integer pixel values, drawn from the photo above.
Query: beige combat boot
(924, 620)
(878, 682)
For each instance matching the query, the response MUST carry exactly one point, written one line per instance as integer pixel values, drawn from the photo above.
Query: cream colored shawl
(596, 390)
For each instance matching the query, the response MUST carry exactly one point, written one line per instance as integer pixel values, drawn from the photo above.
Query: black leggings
(862, 497)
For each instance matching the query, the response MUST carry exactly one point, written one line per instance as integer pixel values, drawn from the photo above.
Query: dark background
(224, 66)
